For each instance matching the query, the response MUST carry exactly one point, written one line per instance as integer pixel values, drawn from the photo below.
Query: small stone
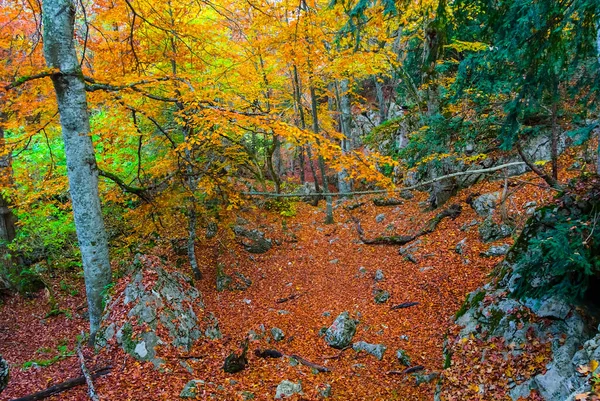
(247, 395)
(381, 296)
(277, 334)
(326, 313)
(141, 350)
(426, 268)
(380, 217)
(403, 357)
(324, 390)
(287, 388)
(379, 276)
(460, 247)
(191, 389)
(334, 261)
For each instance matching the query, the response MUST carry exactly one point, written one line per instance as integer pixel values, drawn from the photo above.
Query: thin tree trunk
(598, 49)
(329, 207)
(380, 99)
(59, 51)
(344, 183)
(554, 143)
(303, 126)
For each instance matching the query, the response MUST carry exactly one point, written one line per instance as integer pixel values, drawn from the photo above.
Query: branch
(22, 80)
(543, 175)
(142, 193)
(382, 191)
(59, 388)
(86, 373)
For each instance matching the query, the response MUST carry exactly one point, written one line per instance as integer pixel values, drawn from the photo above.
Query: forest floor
(329, 270)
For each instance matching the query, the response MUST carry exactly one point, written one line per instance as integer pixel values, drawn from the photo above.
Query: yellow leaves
(461, 46)
(541, 162)
(587, 369)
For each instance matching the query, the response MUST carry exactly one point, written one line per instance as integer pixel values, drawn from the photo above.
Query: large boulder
(152, 308)
(339, 335)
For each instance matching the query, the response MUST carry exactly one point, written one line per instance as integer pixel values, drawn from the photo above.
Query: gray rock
(496, 250)
(334, 261)
(324, 390)
(254, 240)
(381, 296)
(376, 350)
(460, 247)
(467, 226)
(287, 389)
(530, 207)
(550, 307)
(362, 271)
(4, 374)
(485, 204)
(380, 217)
(406, 194)
(403, 357)
(339, 335)
(277, 334)
(191, 389)
(490, 231)
(166, 309)
(379, 276)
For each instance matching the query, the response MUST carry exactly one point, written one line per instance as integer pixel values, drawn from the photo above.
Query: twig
(339, 355)
(291, 297)
(406, 371)
(86, 373)
(310, 364)
(404, 305)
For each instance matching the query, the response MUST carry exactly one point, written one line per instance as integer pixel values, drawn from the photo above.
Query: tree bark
(82, 171)
(344, 184)
(7, 218)
(598, 49)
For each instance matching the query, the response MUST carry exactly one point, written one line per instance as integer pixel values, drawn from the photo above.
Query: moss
(469, 302)
(127, 338)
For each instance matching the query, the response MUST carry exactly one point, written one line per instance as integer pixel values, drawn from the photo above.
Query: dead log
(64, 386)
(404, 305)
(387, 202)
(268, 353)
(453, 212)
(406, 371)
(310, 364)
(291, 297)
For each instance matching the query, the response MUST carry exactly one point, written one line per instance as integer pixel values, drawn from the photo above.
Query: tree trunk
(380, 99)
(329, 208)
(344, 184)
(59, 51)
(598, 48)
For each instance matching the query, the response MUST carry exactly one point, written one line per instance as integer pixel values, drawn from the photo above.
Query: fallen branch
(64, 386)
(383, 191)
(406, 371)
(310, 364)
(453, 211)
(86, 373)
(404, 305)
(387, 202)
(339, 354)
(291, 297)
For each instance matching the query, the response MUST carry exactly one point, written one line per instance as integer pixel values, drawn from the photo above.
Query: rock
(4, 374)
(162, 309)
(277, 334)
(192, 389)
(247, 395)
(485, 204)
(381, 296)
(287, 389)
(362, 271)
(460, 247)
(376, 350)
(254, 240)
(339, 335)
(406, 194)
(530, 207)
(496, 250)
(380, 217)
(467, 226)
(490, 231)
(379, 276)
(324, 390)
(237, 282)
(403, 357)
(549, 307)
(212, 330)
(334, 261)
(425, 378)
